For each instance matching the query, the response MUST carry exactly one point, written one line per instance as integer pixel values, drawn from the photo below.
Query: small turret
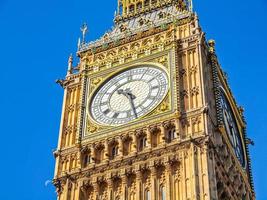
(70, 65)
(212, 44)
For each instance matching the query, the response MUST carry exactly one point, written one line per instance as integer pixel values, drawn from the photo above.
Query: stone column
(66, 192)
(95, 186)
(93, 156)
(153, 182)
(106, 151)
(124, 186)
(177, 128)
(162, 135)
(78, 191)
(138, 185)
(168, 169)
(120, 147)
(134, 144)
(149, 138)
(110, 187)
(73, 189)
(194, 174)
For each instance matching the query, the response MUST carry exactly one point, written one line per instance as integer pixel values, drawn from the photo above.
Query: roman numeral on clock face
(155, 87)
(115, 115)
(103, 103)
(106, 111)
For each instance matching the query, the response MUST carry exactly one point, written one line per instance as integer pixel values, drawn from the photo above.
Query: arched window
(147, 195)
(162, 192)
(172, 134)
(139, 7)
(87, 160)
(142, 143)
(131, 9)
(114, 152)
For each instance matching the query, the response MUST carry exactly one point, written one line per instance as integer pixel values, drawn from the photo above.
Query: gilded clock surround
(178, 151)
(166, 106)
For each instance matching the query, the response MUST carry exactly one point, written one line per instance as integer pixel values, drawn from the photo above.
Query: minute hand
(132, 105)
(127, 93)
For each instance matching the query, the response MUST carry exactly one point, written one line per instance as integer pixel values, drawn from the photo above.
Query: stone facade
(180, 150)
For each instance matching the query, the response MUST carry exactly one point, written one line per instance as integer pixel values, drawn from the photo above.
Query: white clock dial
(129, 95)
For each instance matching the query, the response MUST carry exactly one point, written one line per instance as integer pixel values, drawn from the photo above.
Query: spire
(84, 30)
(70, 64)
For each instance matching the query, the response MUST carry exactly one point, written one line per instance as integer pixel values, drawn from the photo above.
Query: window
(162, 193)
(172, 134)
(87, 160)
(114, 152)
(131, 9)
(139, 7)
(147, 195)
(142, 143)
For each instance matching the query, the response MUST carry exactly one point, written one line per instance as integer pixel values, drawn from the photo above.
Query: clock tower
(148, 113)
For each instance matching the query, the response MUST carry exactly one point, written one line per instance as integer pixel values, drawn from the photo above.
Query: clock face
(232, 130)
(129, 95)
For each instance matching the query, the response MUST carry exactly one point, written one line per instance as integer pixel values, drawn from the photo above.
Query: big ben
(148, 113)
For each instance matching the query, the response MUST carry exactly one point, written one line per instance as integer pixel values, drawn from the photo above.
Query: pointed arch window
(143, 143)
(139, 7)
(87, 160)
(147, 195)
(114, 152)
(172, 134)
(131, 9)
(162, 192)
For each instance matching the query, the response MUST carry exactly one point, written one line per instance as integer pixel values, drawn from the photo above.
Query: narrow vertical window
(114, 152)
(147, 195)
(162, 192)
(143, 143)
(172, 135)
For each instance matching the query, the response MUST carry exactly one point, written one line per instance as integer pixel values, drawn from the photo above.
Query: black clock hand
(133, 107)
(128, 94)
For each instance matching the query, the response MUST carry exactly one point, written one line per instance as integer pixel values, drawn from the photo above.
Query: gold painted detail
(91, 127)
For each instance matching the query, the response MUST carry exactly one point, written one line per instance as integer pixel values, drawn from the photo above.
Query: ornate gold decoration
(96, 81)
(91, 127)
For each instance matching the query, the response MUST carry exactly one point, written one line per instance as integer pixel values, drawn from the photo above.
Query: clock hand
(128, 94)
(133, 107)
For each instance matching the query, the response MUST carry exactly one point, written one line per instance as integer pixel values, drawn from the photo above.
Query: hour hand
(127, 93)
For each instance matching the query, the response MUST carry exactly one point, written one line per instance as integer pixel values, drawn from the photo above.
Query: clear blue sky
(36, 38)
